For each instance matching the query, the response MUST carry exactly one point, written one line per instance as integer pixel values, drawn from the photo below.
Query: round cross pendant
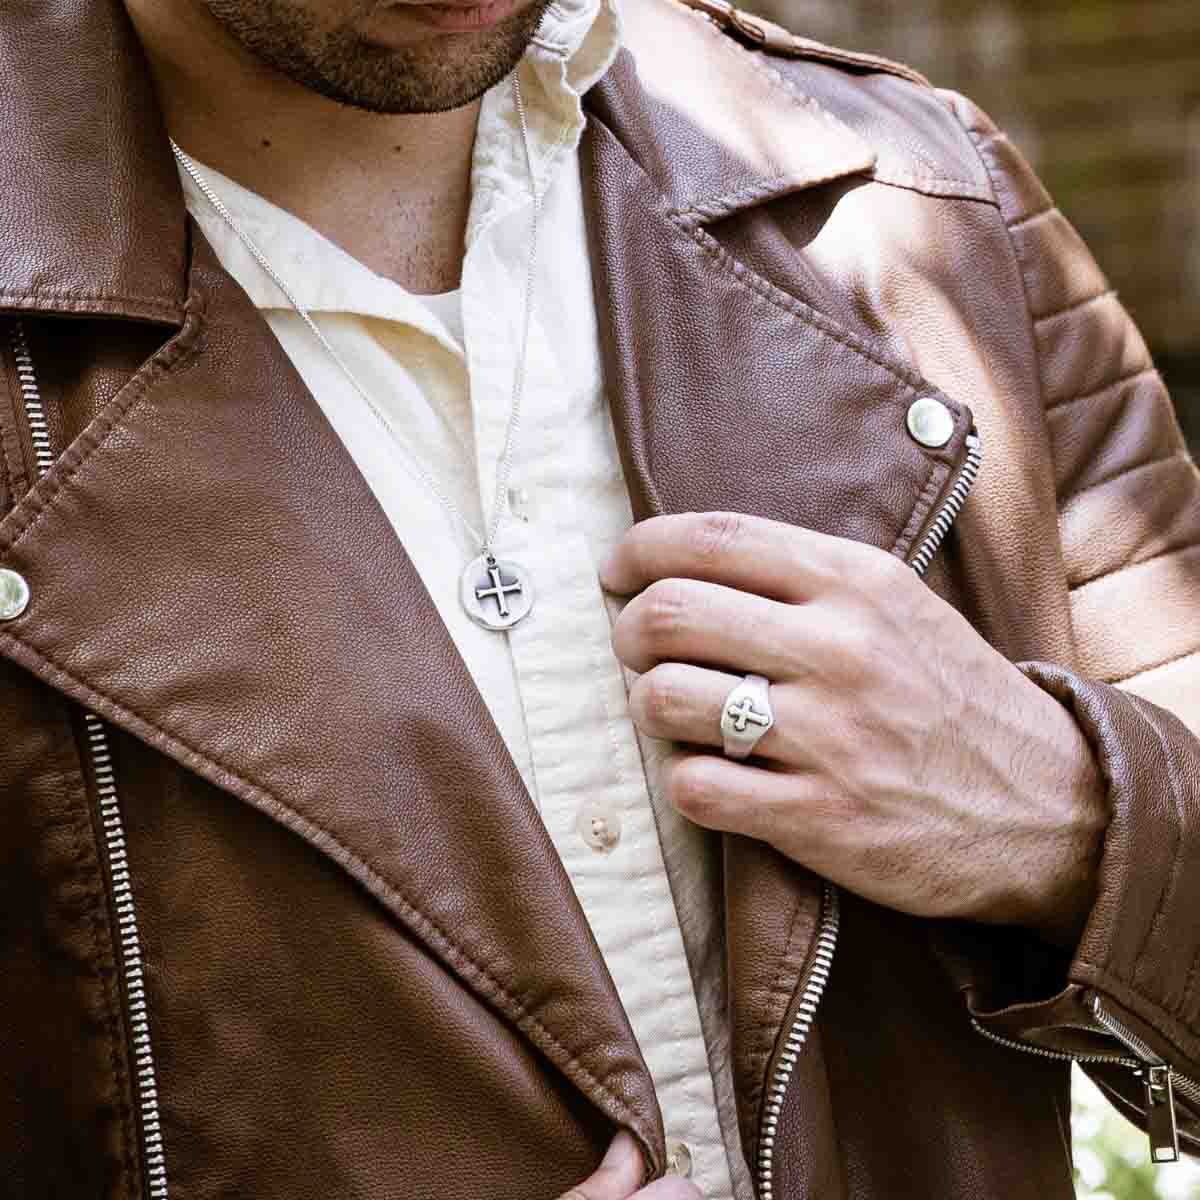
(496, 592)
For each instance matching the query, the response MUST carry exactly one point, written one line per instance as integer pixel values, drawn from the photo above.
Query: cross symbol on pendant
(743, 712)
(499, 590)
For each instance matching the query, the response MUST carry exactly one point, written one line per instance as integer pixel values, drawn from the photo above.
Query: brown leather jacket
(280, 922)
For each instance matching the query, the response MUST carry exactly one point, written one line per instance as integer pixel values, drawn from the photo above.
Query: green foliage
(1112, 1158)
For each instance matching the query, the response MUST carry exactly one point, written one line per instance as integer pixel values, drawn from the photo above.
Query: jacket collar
(91, 159)
(94, 221)
(714, 127)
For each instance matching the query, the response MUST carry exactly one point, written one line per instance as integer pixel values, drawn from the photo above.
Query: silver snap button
(930, 422)
(14, 594)
(600, 828)
(679, 1160)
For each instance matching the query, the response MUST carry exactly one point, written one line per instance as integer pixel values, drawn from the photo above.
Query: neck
(391, 190)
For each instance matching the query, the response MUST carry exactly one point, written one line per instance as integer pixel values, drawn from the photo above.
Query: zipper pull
(1160, 1114)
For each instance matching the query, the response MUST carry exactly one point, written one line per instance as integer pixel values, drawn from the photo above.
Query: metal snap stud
(930, 422)
(14, 594)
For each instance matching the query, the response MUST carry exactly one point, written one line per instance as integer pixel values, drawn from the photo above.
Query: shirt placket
(585, 767)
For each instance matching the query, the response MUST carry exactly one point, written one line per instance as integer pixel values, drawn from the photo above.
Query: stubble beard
(345, 66)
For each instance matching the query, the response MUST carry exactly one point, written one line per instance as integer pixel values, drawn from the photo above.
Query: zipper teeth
(1186, 1087)
(1124, 1034)
(827, 935)
(129, 942)
(34, 413)
(1117, 1060)
(952, 506)
(814, 988)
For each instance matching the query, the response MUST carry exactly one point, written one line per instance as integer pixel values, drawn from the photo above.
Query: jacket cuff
(1131, 987)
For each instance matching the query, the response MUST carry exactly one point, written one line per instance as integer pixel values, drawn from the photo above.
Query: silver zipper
(814, 989)
(1159, 1079)
(1160, 1082)
(129, 943)
(827, 931)
(951, 507)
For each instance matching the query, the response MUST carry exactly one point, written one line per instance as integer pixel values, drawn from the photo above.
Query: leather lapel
(730, 392)
(85, 158)
(209, 571)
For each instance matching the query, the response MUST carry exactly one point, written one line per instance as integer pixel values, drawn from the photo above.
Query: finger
(680, 702)
(618, 1175)
(753, 554)
(737, 797)
(685, 620)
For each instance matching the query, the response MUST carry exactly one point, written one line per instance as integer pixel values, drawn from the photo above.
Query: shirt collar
(575, 45)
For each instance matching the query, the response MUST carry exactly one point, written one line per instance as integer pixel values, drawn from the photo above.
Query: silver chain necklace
(496, 593)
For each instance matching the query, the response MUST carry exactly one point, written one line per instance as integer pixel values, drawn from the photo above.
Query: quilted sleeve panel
(1128, 502)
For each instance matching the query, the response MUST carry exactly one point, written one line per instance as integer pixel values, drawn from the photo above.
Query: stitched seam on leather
(76, 294)
(1168, 662)
(517, 1009)
(921, 509)
(1148, 1010)
(789, 304)
(766, 1044)
(779, 80)
(1145, 562)
(177, 351)
(1171, 882)
(181, 348)
(1180, 548)
(936, 185)
(718, 206)
(1104, 387)
(797, 308)
(1107, 294)
(105, 981)
(1182, 454)
(1189, 985)
(10, 437)
(1033, 216)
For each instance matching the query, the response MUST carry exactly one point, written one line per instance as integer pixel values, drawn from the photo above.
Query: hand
(618, 1176)
(909, 761)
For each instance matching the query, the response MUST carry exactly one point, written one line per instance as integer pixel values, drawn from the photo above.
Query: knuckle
(661, 608)
(655, 698)
(713, 534)
(690, 786)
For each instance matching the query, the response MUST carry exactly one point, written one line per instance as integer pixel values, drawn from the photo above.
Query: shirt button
(14, 594)
(679, 1160)
(599, 827)
(930, 422)
(520, 504)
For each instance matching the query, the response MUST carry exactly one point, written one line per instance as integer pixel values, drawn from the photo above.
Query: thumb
(617, 1177)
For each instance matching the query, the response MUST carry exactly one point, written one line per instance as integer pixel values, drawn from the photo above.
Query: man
(591, 603)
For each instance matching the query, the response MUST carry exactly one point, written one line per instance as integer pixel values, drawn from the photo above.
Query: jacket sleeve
(1129, 520)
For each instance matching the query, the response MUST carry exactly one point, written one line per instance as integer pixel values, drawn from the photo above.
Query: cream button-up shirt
(441, 370)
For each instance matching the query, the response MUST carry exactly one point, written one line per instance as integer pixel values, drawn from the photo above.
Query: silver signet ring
(745, 716)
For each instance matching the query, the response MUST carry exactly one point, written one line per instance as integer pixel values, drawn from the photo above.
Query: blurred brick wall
(1104, 97)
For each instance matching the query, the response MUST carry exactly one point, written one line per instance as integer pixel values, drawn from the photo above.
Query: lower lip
(460, 18)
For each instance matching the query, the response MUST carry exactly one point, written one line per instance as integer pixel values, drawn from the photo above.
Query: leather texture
(367, 973)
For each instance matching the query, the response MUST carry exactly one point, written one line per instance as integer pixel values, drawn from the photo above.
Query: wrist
(1065, 890)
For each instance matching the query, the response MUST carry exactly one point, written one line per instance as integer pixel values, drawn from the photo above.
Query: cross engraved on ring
(745, 711)
(499, 590)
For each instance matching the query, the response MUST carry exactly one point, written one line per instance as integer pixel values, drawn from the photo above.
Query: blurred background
(1103, 96)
